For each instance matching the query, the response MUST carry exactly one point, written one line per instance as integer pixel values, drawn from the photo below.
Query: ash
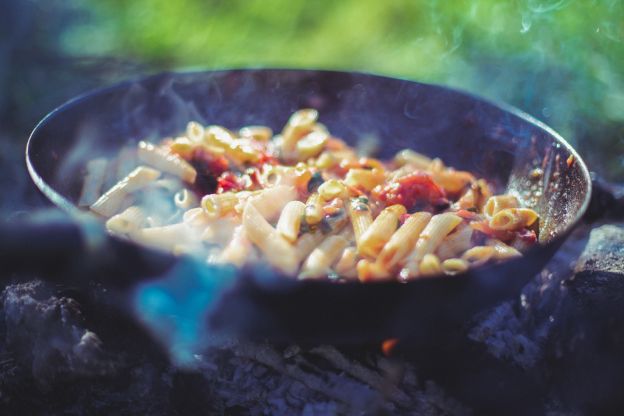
(555, 350)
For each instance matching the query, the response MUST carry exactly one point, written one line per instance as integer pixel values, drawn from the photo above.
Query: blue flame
(176, 306)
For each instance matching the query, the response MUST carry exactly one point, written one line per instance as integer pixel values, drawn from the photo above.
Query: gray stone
(49, 333)
(598, 281)
(604, 252)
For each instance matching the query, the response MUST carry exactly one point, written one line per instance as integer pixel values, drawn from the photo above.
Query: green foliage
(561, 60)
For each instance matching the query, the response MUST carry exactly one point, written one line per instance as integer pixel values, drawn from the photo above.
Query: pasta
(127, 222)
(379, 232)
(431, 237)
(110, 203)
(404, 239)
(94, 179)
(323, 257)
(276, 249)
(166, 161)
(290, 220)
(361, 218)
(306, 203)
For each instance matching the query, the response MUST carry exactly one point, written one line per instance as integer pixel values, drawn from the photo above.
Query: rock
(604, 251)
(505, 338)
(49, 333)
(598, 281)
(587, 354)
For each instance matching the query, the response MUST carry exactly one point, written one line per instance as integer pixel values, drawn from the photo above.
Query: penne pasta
(346, 266)
(219, 205)
(323, 257)
(476, 256)
(413, 159)
(275, 248)
(510, 219)
(451, 180)
(195, 132)
(306, 243)
(475, 197)
(430, 265)
(166, 237)
(238, 249)
(379, 232)
(305, 202)
(455, 243)
(311, 144)
(497, 203)
(93, 182)
(126, 162)
(438, 227)
(369, 271)
(364, 178)
(271, 201)
(403, 240)
(111, 202)
(313, 209)
(166, 161)
(185, 199)
(127, 222)
(331, 189)
(299, 124)
(503, 251)
(454, 266)
(361, 217)
(290, 220)
(259, 133)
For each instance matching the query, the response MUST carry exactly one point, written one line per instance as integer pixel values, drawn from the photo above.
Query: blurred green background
(560, 60)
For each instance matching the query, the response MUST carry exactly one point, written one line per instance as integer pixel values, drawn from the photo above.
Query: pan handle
(43, 248)
(74, 250)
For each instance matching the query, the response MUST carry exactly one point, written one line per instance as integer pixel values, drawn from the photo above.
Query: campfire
(86, 316)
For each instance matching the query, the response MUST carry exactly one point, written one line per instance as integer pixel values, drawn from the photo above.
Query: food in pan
(307, 203)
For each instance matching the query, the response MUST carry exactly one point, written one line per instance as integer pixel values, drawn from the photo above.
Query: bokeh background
(560, 60)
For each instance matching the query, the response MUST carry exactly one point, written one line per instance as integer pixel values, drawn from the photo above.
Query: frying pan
(494, 141)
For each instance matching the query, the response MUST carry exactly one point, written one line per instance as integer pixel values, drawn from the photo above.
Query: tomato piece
(411, 189)
(527, 236)
(208, 162)
(229, 181)
(266, 158)
(465, 214)
(208, 166)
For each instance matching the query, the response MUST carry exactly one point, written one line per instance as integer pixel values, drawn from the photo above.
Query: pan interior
(501, 144)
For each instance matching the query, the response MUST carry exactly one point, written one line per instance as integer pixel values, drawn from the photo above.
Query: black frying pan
(493, 141)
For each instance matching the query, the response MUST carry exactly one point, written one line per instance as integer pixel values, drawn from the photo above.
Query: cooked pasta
(110, 202)
(323, 257)
(403, 240)
(431, 237)
(306, 203)
(430, 265)
(361, 218)
(290, 220)
(379, 232)
(346, 266)
(275, 248)
(166, 161)
(127, 222)
(94, 179)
